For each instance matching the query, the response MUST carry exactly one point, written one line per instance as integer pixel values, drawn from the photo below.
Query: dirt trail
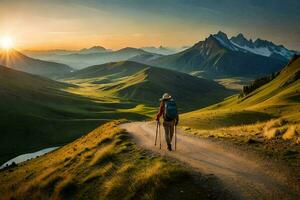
(247, 178)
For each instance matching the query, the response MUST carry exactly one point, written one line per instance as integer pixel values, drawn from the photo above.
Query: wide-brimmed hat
(166, 96)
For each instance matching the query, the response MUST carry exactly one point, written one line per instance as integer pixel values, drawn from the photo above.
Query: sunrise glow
(6, 42)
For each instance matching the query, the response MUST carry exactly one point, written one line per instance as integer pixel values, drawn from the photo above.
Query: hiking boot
(169, 147)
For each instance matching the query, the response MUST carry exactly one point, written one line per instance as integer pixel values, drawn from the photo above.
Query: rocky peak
(262, 43)
(224, 41)
(221, 35)
(241, 40)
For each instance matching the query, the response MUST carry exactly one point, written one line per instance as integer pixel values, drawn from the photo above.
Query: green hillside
(36, 112)
(279, 98)
(266, 120)
(105, 164)
(135, 82)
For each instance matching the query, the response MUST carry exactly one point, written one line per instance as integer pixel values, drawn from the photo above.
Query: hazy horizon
(116, 24)
(114, 49)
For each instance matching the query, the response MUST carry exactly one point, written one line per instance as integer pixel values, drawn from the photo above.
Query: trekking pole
(159, 136)
(156, 133)
(175, 137)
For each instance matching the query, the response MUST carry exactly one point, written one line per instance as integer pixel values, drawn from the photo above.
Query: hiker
(169, 112)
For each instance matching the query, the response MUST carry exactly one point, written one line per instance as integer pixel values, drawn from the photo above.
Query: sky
(114, 24)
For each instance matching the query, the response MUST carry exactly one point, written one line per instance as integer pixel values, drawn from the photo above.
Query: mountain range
(94, 49)
(88, 57)
(19, 61)
(218, 56)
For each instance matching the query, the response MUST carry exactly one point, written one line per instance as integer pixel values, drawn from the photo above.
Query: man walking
(168, 110)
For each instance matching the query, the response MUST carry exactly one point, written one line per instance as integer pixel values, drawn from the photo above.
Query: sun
(6, 42)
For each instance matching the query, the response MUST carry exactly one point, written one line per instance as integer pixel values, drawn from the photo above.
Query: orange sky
(44, 33)
(33, 29)
(76, 24)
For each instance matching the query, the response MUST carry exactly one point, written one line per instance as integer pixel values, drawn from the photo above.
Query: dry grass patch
(103, 155)
(274, 128)
(272, 133)
(100, 172)
(297, 140)
(120, 183)
(67, 187)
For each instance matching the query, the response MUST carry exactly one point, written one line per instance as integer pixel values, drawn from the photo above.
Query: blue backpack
(170, 110)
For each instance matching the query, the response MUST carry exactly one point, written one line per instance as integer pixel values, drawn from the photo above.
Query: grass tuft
(290, 133)
(103, 155)
(67, 187)
(272, 133)
(273, 128)
(100, 172)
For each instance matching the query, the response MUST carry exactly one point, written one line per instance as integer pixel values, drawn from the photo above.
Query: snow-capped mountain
(218, 56)
(261, 47)
(223, 39)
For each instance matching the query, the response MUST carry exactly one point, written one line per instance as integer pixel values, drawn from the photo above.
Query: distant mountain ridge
(92, 56)
(218, 55)
(19, 61)
(94, 49)
(159, 50)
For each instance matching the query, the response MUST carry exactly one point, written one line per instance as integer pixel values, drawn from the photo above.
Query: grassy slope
(36, 113)
(267, 120)
(134, 82)
(105, 164)
(272, 100)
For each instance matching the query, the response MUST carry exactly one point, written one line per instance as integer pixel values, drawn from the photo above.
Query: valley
(36, 113)
(51, 113)
(140, 83)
